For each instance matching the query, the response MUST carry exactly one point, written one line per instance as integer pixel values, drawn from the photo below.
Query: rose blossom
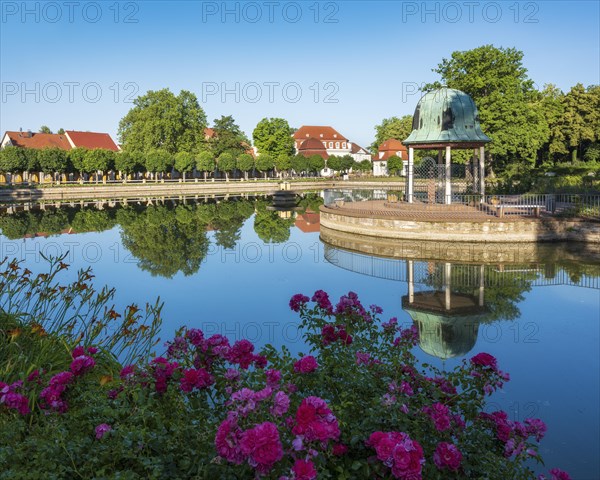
(448, 456)
(306, 364)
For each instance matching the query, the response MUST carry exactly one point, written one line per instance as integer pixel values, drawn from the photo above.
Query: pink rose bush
(357, 404)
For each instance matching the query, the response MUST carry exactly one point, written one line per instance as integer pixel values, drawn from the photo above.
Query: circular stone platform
(453, 223)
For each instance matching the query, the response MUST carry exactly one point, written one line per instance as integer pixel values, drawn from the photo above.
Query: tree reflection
(270, 226)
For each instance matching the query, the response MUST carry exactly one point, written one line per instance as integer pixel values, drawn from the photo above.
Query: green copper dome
(446, 116)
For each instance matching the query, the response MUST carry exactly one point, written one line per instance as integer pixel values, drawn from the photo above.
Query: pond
(230, 265)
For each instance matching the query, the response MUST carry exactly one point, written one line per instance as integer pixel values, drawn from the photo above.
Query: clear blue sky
(366, 60)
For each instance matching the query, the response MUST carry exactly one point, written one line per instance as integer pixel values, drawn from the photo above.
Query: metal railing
(393, 202)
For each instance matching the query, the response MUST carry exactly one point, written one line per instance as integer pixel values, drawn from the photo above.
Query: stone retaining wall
(511, 230)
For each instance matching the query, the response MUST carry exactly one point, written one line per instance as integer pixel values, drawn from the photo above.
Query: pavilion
(445, 119)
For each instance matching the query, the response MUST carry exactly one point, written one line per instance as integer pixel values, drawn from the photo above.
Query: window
(330, 144)
(337, 144)
(343, 144)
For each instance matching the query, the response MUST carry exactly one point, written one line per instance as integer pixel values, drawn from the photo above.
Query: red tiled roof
(209, 133)
(39, 140)
(392, 144)
(357, 148)
(308, 222)
(92, 140)
(312, 146)
(324, 133)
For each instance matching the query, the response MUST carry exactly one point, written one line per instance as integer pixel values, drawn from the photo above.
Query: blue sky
(348, 64)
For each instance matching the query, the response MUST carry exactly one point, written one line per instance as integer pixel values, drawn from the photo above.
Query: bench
(501, 208)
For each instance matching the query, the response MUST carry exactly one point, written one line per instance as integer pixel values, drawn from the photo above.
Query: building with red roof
(70, 139)
(311, 146)
(308, 222)
(333, 141)
(388, 149)
(35, 140)
(91, 140)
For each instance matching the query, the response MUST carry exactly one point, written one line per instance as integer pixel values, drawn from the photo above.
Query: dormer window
(321, 135)
(335, 135)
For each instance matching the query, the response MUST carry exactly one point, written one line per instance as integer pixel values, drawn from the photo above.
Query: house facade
(386, 150)
(333, 142)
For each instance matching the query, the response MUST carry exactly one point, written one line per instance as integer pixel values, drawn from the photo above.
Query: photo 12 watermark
(269, 92)
(68, 92)
(69, 12)
(270, 12)
(470, 12)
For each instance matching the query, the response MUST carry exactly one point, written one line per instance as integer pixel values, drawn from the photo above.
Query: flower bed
(358, 405)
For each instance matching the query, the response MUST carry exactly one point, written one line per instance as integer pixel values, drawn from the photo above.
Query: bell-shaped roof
(446, 116)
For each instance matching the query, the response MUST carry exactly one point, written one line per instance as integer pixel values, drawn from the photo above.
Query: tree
(347, 163)
(205, 162)
(77, 158)
(184, 162)
(316, 163)
(245, 162)
(274, 137)
(580, 121)
(158, 160)
(45, 129)
(509, 107)
(393, 127)
(364, 166)
(98, 160)
(12, 159)
(264, 163)
(226, 163)
(228, 137)
(52, 160)
(394, 164)
(299, 164)
(61, 131)
(161, 120)
(269, 226)
(283, 162)
(335, 163)
(128, 162)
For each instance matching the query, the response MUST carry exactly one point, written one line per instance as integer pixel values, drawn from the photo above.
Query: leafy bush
(358, 406)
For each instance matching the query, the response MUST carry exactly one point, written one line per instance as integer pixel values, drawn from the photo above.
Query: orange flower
(15, 333)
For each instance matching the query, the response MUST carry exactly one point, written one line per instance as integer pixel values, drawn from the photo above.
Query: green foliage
(165, 240)
(228, 137)
(32, 157)
(394, 164)
(77, 158)
(52, 160)
(364, 166)
(245, 162)
(394, 127)
(205, 162)
(12, 159)
(509, 107)
(45, 129)
(128, 162)
(159, 160)
(264, 163)
(99, 159)
(283, 162)
(226, 162)
(334, 163)
(184, 162)
(273, 136)
(269, 226)
(161, 120)
(315, 163)
(299, 164)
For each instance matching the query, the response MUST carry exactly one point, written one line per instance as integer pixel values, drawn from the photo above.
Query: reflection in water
(165, 236)
(448, 301)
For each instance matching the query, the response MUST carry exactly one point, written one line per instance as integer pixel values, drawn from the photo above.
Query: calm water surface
(230, 267)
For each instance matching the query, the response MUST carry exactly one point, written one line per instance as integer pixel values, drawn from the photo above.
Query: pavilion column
(447, 273)
(482, 170)
(448, 189)
(411, 158)
(481, 284)
(410, 273)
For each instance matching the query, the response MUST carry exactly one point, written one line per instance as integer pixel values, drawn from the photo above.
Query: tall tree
(393, 127)
(228, 137)
(274, 137)
(161, 120)
(45, 129)
(509, 107)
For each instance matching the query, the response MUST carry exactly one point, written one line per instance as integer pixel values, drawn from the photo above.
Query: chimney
(28, 134)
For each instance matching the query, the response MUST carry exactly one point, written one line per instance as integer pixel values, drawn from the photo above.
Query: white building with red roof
(333, 142)
(387, 149)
